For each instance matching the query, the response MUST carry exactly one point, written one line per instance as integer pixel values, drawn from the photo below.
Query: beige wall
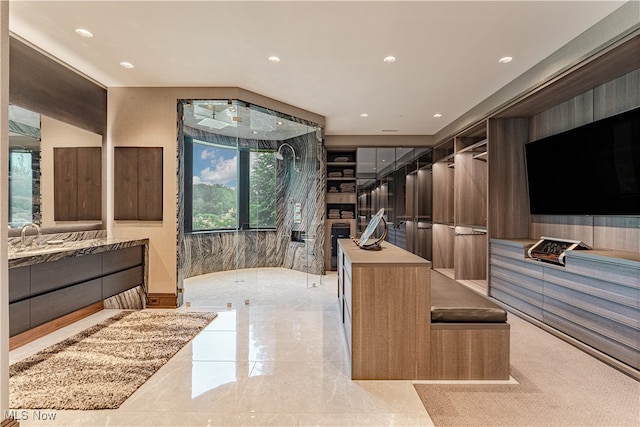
(54, 133)
(147, 117)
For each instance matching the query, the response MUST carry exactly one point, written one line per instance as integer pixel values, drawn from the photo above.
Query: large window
(230, 164)
(223, 179)
(215, 187)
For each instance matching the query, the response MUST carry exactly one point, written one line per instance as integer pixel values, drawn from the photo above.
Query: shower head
(279, 155)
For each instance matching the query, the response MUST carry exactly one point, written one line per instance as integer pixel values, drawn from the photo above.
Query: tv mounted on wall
(590, 170)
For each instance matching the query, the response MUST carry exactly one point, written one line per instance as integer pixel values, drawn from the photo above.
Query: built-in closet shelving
(340, 199)
(460, 206)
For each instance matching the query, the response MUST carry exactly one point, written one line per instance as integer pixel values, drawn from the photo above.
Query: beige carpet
(559, 385)
(102, 366)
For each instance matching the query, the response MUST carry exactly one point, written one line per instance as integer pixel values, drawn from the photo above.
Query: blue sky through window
(214, 164)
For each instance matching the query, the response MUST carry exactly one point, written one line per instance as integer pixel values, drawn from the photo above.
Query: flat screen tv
(590, 170)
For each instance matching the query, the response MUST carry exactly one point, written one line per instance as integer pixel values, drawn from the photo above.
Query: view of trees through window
(216, 173)
(262, 190)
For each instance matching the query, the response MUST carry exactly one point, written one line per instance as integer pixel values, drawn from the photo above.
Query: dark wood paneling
(19, 317)
(150, 183)
(138, 183)
(575, 112)
(617, 96)
(56, 304)
(115, 283)
(606, 67)
(442, 193)
(508, 193)
(51, 275)
(65, 179)
(126, 183)
(77, 177)
(470, 190)
(20, 280)
(122, 259)
(89, 183)
(40, 84)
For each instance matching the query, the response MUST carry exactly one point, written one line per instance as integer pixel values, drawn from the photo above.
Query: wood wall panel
(443, 177)
(89, 183)
(65, 178)
(573, 227)
(570, 114)
(41, 84)
(607, 66)
(621, 233)
(470, 259)
(617, 96)
(470, 192)
(508, 194)
(138, 181)
(150, 184)
(443, 246)
(126, 183)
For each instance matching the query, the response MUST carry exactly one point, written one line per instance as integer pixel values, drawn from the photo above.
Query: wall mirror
(33, 138)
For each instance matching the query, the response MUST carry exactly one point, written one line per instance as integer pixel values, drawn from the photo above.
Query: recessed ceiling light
(505, 59)
(363, 115)
(273, 59)
(279, 123)
(390, 59)
(84, 33)
(437, 115)
(254, 132)
(126, 64)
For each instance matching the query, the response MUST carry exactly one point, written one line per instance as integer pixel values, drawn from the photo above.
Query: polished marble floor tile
(277, 356)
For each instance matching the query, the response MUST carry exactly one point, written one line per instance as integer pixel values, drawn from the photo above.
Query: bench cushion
(452, 302)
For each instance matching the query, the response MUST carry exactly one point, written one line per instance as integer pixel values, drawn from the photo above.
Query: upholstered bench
(469, 333)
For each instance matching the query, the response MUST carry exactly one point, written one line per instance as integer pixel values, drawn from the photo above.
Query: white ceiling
(331, 51)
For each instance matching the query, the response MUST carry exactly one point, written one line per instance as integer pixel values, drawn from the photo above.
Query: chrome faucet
(23, 231)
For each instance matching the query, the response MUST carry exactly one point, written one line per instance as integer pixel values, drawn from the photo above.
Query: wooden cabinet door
(138, 183)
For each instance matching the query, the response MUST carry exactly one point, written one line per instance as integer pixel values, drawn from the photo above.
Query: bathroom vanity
(53, 285)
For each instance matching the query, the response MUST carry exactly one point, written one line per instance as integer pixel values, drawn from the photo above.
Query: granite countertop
(44, 252)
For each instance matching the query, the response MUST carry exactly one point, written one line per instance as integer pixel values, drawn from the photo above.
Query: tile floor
(278, 360)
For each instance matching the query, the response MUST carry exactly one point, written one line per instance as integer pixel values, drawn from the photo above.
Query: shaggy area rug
(102, 366)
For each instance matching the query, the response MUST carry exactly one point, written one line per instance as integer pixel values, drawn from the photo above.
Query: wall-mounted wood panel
(65, 178)
(610, 65)
(508, 192)
(575, 112)
(150, 184)
(442, 193)
(470, 259)
(125, 160)
(43, 85)
(470, 199)
(617, 96)
(443, 246)
(77, 177)
(138, 183)
(89, 183)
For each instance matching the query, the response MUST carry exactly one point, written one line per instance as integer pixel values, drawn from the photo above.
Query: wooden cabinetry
(595, 298)
(40, 293)
(340, 198)
(138, 183)
(77, 178)
(460, 208)
(385, 301)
